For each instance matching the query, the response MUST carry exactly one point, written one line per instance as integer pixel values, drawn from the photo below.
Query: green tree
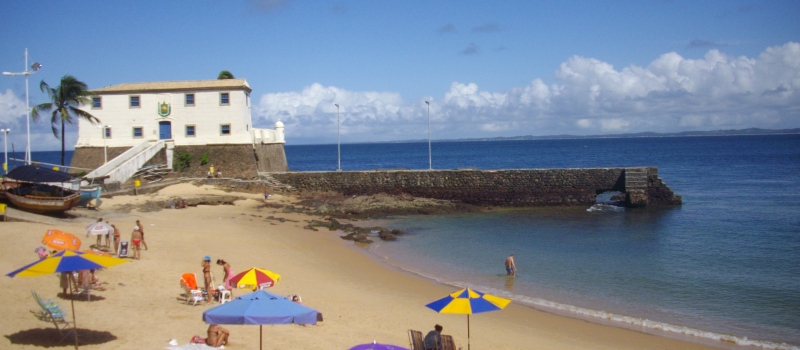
(225, 75)
(64, 102)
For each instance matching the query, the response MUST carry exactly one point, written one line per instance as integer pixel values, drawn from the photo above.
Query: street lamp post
(338, 139)
(5, 149)
(105, 148)
(430, 159)
(35, 66)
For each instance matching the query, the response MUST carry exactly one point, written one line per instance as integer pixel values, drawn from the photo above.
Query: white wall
(206, 115)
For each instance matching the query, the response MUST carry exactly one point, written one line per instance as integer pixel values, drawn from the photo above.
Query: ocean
(721, 269)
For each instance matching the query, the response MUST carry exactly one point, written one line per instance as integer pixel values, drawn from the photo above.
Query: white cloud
(672, 93)
(11, 109)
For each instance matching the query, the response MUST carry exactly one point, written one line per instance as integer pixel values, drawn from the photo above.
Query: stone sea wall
(517, 188)
(235, 161)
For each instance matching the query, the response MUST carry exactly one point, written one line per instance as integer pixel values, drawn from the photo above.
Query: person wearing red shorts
(136, 239)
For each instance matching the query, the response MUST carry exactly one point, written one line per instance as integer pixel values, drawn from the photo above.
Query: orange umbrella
(59, 240)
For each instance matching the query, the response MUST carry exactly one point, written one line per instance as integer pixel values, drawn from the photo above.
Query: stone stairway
(274, 184)
(635, 179)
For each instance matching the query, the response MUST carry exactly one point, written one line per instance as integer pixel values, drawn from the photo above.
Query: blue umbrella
(260, 307)
(377, 346)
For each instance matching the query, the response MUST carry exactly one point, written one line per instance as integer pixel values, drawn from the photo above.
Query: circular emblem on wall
(164, 109)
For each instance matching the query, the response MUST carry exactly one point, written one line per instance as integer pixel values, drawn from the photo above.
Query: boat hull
(25, 199)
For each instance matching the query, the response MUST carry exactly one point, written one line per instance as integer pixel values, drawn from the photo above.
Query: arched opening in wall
(609, 200)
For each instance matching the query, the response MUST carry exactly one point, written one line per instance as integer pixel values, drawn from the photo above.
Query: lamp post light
(338, 139)
(5, 149)
(35, 67)
(430, 159)
(105, 148)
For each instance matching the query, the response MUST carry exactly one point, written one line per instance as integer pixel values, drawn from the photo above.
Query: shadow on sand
(49, 337)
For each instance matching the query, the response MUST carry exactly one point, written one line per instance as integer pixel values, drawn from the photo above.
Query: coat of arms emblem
(164, 109)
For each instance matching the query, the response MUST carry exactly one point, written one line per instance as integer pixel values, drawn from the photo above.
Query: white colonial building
(208, 116)
(199, 112)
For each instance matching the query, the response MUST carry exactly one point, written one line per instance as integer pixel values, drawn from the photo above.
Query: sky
(488, 68)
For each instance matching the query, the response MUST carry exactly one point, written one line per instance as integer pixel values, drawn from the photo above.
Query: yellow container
(2, 208)
(137, 183)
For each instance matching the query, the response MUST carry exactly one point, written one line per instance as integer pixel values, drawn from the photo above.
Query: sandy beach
(361, 299)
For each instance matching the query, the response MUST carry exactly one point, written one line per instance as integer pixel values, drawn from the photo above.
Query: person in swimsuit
(207, 276)
(141, 229)
(227, 271)
(116, 237)
(136, 239)
(511, 268)
(217, 336)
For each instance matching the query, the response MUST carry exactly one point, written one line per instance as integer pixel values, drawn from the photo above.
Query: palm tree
(64, 102)
(225, 75)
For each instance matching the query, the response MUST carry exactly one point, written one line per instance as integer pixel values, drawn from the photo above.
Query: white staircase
(121, 168)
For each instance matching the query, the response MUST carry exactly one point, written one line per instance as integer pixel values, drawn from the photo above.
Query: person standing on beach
(116, 237)
(141, 229)
(511, 267)
(206, 264)
(136, 240)
(211, 171)
(227, 271)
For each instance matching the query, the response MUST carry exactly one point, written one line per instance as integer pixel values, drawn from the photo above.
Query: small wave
(624, 321)
(605, 207)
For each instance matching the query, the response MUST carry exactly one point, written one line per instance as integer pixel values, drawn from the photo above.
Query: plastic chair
(224, 296)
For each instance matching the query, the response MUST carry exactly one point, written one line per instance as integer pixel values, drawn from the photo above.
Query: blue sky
(489, 68)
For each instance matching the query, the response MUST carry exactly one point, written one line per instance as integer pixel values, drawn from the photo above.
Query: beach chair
(51, 312)
(189, 285)
(416, 340)
(448, 343)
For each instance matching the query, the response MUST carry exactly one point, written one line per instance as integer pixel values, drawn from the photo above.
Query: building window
(225, 129)
(190, 99)
(135, 102)
(97, 102)
(224, 98)
(190, 131)
(108, 133)
(137, 132)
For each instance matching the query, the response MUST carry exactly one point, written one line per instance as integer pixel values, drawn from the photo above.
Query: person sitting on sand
(136, 240)
(217, 336)
(433, 340)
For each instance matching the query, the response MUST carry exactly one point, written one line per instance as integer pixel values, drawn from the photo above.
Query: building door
(164, 130)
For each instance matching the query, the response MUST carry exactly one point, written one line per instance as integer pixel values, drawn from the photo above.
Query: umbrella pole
(468, 344)
(72, 301)
(260, 337)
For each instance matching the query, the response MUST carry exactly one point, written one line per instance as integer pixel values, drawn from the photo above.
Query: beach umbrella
(376, 346)
(99, 228)
(59, 240)
(468, 302)
(255, 278)
(260, 307)
(67, 261)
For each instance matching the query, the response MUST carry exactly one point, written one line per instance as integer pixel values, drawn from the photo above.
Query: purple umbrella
(376, 346)
(260, 307)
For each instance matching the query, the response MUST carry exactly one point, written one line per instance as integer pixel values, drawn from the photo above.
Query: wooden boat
(31, 188)
(38, 198)
(90, 193)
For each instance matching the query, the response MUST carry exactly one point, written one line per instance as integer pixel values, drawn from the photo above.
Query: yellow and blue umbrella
(67, 261)
(468, 302)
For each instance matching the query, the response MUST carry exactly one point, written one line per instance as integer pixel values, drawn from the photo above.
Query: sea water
(725, 265)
